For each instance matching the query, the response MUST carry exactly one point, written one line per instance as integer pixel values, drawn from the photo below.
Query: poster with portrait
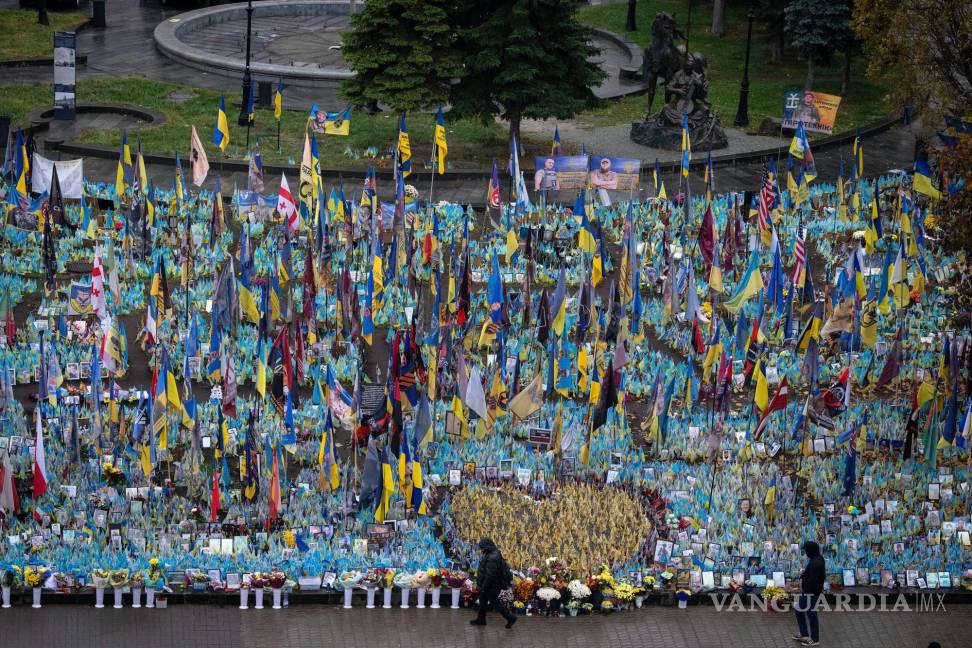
(560, 172)
(817, 111)
(611, 173)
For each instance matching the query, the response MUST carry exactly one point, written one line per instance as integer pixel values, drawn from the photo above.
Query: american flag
(799, 251)
(767, 197)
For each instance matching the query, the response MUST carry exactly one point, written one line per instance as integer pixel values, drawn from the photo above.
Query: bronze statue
(686, 82)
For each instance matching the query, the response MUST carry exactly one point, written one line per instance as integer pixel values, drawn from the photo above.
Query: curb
(104, 152)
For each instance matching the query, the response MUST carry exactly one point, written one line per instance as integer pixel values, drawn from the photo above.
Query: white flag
(200, 164)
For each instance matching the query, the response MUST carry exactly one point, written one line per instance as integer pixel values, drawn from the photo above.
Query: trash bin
(98, 13)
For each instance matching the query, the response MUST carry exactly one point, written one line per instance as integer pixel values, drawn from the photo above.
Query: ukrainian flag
(441, 146)
(221, 132)
(922, 181)
(248, 297)
(586, 236)
(750, 285)
(261, 376)
(404, 148)
(686, 146)
(761, 397)
(387, 486)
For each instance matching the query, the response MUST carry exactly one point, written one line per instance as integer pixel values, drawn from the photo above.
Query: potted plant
(118, 579)
(573, 607)
(682, 596)
(200, 580)
(99, 579)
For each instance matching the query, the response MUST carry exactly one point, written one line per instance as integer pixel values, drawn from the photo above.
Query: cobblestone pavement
(305, 626)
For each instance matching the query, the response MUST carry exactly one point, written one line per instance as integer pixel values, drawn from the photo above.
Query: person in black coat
(492, 576)
(811, 587)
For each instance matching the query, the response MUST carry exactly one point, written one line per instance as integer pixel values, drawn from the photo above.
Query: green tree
(922, 50)
(402, 52)
(818, 29)
(524, 59)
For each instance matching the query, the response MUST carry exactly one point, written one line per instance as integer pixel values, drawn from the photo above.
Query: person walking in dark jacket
(811, 587)
(492, 576)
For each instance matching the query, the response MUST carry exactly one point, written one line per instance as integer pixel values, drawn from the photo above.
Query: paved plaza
(306, 626)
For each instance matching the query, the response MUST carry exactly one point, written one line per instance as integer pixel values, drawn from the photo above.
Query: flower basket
(683, 596)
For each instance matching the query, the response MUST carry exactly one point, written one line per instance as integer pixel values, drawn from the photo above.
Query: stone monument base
(655, 133)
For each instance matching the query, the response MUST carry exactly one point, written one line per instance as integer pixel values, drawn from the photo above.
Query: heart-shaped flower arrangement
(582, 524)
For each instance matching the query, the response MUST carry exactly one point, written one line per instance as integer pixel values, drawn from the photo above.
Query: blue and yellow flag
(404, 148)
(338, 123)
(858, 156)
(23, 164)
(278, 101)
(922, 182)
(221, 131)
(555, 148)
(441, 146)
(686, 146)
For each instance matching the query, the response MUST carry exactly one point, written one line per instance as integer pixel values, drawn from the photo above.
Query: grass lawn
(768, 81)
(471, 143)
(22, 38)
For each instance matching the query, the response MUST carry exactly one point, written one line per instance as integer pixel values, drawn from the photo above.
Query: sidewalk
(201, 626)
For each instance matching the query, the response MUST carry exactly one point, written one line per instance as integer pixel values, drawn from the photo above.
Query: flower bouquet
(579, 590)
(156, 581)
(625, 591)
(403, 581)
(349, 580)
(573, 607)
(682, 596)
(258, 581)
(34, 578)
(436, 587)
(548, 595)
(774, 596)
(99, 579)
(607, 606)
(137, 583)
(118, 579)
(199, 580)
(421, 581)
(457, 581)
(371, 581)
(277, 579)
(10, 576)
(387, 582)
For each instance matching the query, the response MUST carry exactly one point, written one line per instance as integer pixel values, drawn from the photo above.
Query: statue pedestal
(655, 133)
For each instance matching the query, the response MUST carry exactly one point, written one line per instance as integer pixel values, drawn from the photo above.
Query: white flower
(548, 594)
(578, 589)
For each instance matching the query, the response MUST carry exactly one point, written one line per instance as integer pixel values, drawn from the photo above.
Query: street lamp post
(244, 119)
(742, 113)
(631, 23)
